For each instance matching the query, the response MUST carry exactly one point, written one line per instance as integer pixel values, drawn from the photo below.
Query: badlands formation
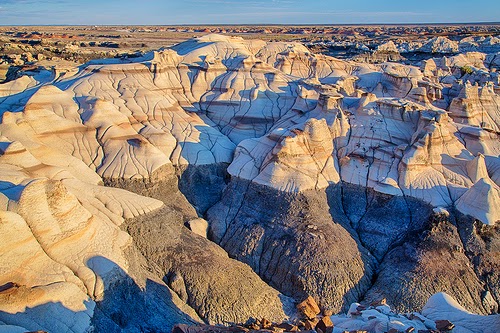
(225, 179)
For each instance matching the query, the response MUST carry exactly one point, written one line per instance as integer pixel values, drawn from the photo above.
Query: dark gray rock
(428, 262)
(203, 185)
(482, 247)
(221, 290)
(139, 301)
(380, 221)
(291, 241)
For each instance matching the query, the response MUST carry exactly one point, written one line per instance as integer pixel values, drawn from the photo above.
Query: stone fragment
(265, 324)
(309, 308)
(311, 324)
(327, 312)
(198, 226)
(444, 325)
(324, 325)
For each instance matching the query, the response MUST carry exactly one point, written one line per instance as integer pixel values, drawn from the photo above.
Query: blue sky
(171, 12)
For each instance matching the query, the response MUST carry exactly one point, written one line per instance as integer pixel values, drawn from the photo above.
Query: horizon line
(254, 24)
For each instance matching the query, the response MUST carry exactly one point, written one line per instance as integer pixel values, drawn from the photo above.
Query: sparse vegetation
(466, 70)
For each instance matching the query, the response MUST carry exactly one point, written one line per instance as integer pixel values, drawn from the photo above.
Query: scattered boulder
(308, 308)
(198, 226)
(444, 325)
(324, 325)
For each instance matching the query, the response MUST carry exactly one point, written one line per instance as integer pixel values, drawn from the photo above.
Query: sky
(176, 12)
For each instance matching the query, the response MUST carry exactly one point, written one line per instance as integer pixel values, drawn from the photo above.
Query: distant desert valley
(242, 179)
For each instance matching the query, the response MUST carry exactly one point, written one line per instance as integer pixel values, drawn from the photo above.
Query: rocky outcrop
(220, 290)
(440, 45)
(291, 241)
(481, 201)
(486, 44)
(73, 262)
(476, 106)
(442, 306)
(480, 243)
(387, 47)
(440, 314)
(289, 160)
(430, 262)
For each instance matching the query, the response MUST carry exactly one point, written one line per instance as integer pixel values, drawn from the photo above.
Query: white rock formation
(442, 306)
(387, 47)
(54, 225)
(440, 45)
(194, 103)
(482, 201)
(380, 319)
(290, 160)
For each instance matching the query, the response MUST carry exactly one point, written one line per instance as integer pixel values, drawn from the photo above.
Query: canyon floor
(157, 176)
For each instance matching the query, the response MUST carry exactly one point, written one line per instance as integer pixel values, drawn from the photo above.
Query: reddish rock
(265, 324)
(311, 324)
(253, 326)
(324, 325)
(309, 308)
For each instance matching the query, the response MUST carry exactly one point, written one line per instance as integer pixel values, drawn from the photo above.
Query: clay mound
(289, 160)
(440, 45)
(388, 47)
(481, 201)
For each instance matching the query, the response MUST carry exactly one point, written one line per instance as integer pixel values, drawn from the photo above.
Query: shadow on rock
(123, 306)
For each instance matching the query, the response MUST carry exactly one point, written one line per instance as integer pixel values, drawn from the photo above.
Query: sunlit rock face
(314, 172)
